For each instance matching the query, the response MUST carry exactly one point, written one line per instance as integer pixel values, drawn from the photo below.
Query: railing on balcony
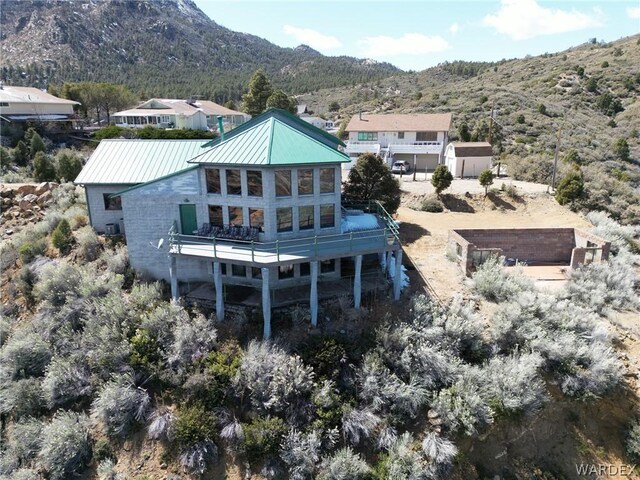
(363, 147)
(416, 147)
(293, 250)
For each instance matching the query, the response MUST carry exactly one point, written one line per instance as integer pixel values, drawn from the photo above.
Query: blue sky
(414, 34)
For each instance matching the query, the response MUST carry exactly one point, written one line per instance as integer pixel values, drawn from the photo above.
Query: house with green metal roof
(255, 218)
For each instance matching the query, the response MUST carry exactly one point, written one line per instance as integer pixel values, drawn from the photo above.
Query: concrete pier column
(217, 282)
(388, 264)
(357, 283)
(397, 277)
(266, 303)
(313, 299)
(173, 275)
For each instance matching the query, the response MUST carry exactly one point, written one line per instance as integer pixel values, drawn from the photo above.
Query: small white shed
(468, 159)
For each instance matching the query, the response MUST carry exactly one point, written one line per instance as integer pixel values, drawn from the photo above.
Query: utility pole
(493, 103)
(555, 162)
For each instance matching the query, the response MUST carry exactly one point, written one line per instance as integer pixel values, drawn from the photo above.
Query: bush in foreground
(66, 445)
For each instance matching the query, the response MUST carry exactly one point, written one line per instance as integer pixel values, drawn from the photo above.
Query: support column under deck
(388, 264)
(217, 282)
(173, 275)
(357, 283)
(266, 303)
(397, 277)
(313, 299)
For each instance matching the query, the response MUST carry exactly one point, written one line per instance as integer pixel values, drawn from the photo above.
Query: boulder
(27, 201)
(44, 198)
(45, 187)
(26, 189)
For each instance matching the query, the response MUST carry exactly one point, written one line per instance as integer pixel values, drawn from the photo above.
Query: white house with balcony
(255, 218)
(28, 104)
(419, 138)
(174, 113)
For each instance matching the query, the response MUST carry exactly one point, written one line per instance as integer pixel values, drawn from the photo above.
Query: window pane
(305, 182)
(327, 216)
(327, 180)
(327, 266)
(256, 218)
(305, 217)
(238, 270)
(283, 218)
(235, 215)
(426, 136)
(213, 180)
(234, 187)
(223, 268)
(283, 183)
(215, 215)
(112, 203)
(254, 182)
(400, 135)
(305, 269)
(285, 271)
(256, 272)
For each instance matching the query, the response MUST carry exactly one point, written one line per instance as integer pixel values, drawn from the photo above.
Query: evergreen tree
(21, 154)
(621, 149)
(486, 180)
(570, 188)
(572, 157)
(254, 102)
(230, 104)
(36, 145)
(441, 179)
(463, 132)
(279, 99)
(371, 179)
(43, 168)
(61, 237)
(69, 165)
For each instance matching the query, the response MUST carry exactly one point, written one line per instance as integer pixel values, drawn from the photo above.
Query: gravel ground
(471, 185)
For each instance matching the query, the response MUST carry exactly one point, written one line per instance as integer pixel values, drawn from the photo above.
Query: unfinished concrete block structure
(533, 246)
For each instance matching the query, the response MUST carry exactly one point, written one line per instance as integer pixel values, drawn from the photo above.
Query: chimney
(220, 128)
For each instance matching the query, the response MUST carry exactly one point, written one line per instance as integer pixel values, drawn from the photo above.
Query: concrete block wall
(95, 203)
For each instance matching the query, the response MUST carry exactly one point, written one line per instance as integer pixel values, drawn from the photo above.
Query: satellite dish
(159, 246)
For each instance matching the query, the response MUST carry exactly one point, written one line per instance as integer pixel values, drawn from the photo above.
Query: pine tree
(43, 168)
(371, 179)
(255, 101)
(486, 180)
(441, 179)
(279, 99)
(36, 145)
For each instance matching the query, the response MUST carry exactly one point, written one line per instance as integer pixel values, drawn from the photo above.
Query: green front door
(188, 221)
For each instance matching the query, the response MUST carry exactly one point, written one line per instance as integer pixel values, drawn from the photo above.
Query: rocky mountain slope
(156, 47)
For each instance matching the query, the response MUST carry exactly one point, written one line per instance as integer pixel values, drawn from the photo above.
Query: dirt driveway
(425, 234)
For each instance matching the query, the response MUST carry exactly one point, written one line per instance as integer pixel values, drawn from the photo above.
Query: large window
(327, 180)
(254, 183)
(234, 185)
(256, 218)
(327, 215)
(215, 215)
(305, 181)
(213, 180)
(426, 136)
(400, 135)
(367, 136)
(283, 183)
(238, 270)
(305, 217)
(283, 219)
(256, 272)
(327, 266)
(305, 269)
(285, 271)
(112, 203)
(235, 215)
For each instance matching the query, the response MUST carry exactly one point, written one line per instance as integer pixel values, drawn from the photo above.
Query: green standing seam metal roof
(285, 117)
(271, 142)
(127, 161)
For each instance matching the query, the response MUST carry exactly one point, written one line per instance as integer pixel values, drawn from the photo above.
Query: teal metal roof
(272, 141)
(121, 161)
(285, 117)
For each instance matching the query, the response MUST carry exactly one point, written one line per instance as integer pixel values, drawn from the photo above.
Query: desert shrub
(404, 460)
(461, 407)
(620, 236)
(439, 450)
(432, 205)
(25, 355)
(21, 398)
(43, 168)
(61, 237)
(66, 380)
(145, 296)
(383, 390)
(632, 443)
(512, 384)
(119, 405)
(343, 465)
(301, 452)
(358, 424)
(192, 341)
(23, 474)
(103, 450)
(493, 283)
(69, 165)
(29, 251)
(273, 379)
(592, 371)
(570, 188)
(196, 457)
(25, 281)
(193, 433)
(161, 423)
(5, 328)
(262, 438)
(326, 355)
(25, 439)
(117, 261)
(88, 244)
(106, 470)
(232, 430)
(66, 445)
(604, 285)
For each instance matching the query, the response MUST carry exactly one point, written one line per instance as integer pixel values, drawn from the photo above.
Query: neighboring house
(418, 138)
(27, 104)
(258, 216)
(318, 122)
(468, 159)
(302, 110)
(173, 113)
(118, 164)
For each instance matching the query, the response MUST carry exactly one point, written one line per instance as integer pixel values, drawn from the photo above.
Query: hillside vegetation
(589, 93)
(158, 48)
